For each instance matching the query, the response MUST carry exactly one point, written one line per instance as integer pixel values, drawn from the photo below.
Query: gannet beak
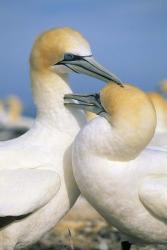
(88, 65)
(86, 102)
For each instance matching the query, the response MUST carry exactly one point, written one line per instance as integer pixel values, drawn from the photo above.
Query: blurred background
(128, 37)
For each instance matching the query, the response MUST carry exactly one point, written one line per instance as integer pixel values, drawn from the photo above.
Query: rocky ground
(84, 229)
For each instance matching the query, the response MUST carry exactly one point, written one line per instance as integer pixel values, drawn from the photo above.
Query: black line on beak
(121, 85)
(93, 71)
(70, 68)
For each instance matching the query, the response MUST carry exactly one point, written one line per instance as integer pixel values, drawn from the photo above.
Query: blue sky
(129, 37)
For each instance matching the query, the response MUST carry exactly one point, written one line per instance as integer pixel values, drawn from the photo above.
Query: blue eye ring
(69, 57)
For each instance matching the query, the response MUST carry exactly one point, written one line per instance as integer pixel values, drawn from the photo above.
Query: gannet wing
(24, 190)
(153, 194)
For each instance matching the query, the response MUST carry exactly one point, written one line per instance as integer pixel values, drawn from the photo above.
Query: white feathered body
(131, 195)
(50, 194)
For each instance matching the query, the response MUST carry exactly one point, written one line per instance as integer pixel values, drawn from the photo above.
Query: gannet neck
(49, 89)
(105, 141)
(126, 129)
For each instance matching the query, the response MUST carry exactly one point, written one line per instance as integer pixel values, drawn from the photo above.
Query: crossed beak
(88, 65)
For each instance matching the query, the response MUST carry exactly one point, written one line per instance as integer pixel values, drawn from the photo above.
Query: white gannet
(160, 105)
(122, 178)
(37, 186)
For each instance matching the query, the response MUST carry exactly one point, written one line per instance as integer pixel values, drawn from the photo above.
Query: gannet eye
(69, 57)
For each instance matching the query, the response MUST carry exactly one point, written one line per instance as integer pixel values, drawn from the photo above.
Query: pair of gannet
(37, 186)
(122, 178)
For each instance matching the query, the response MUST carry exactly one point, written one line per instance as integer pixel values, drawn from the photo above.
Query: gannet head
(128, 110)
(160, 105)
(65, 50)
(128, 106)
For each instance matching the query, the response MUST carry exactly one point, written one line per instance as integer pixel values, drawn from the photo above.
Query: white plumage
(37, 187)
(121, 177)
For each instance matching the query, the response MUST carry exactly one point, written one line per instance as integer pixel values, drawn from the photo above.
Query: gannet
(15, 111)
(163, 86)
(160, 105)
(14, 107)
(122, 178)
(37, 186)
(12, 122)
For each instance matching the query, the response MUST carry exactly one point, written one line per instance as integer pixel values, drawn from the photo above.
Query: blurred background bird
(12, 121)
(163, 87)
